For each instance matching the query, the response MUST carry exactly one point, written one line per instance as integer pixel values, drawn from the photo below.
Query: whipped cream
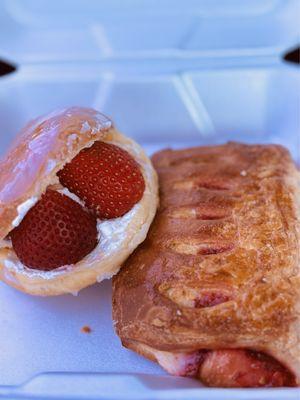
(112, 232)
(23, 209)
(71, 195)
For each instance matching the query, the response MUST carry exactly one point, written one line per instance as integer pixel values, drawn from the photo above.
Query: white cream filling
(23, 209)
(111, 232)
(71, 195)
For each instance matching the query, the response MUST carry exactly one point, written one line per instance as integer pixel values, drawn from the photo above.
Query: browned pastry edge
(227, 230)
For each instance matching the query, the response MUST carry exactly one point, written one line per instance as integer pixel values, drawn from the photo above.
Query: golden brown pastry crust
(39, 152)
(228, 226)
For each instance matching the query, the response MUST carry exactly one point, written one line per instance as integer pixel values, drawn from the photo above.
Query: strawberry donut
(76, 198)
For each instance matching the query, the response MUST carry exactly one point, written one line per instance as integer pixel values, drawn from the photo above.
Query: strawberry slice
(106, 178)
(56, 231)
(243, 368)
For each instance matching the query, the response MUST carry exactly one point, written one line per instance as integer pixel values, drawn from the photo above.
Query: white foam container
(170, 73)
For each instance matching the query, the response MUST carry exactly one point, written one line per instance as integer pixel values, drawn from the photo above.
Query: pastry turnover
(56, 205)
(213, 292)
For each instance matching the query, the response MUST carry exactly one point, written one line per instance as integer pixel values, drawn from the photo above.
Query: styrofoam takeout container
(170, 73)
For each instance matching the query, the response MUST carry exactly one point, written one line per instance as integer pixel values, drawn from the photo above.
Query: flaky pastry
(213, 292)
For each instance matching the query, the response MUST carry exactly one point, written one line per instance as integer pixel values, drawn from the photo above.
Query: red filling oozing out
(238, 368)
(58, 231)
(211, 299)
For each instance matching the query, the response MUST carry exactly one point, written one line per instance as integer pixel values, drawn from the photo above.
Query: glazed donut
(40, 203)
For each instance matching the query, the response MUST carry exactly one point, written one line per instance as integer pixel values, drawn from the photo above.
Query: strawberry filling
(235, 368)
(243, 368)
(211, 299)
(57, 230)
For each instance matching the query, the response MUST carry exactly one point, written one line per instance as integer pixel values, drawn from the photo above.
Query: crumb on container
(86, 329)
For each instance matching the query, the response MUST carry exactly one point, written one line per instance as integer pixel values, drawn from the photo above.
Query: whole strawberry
(56, 231)
(106, 178)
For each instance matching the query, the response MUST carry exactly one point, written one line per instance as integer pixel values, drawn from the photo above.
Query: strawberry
(56, 231)
(106, 178)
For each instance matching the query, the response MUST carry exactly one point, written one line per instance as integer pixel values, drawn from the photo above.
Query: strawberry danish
(76, 198)
(213, 292)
